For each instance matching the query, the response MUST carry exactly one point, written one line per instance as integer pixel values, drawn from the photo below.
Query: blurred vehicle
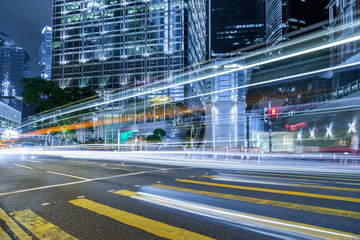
(27, 145)
(27, 149)
(8, 144)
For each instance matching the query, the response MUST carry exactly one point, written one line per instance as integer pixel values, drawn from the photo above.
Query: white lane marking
(44, 204)
(80, 196)
(158, 182)
(3, 162)
(22, 166)
(43, 187)
(83, 162)
(78, 182)
(34, 161)
(128, 165)
(67, 175)
(137, 186)
(111, 190)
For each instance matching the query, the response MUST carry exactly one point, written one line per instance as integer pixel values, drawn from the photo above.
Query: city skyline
(23, 21)
(179, 119)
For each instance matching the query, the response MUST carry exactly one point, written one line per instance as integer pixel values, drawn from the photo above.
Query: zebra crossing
(208, 196)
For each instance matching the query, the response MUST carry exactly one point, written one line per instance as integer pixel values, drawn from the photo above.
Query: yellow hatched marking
(314, 209)
(303, 176)
(298, 184)
(148, 225)
(13, 226)
(41, 228)
(4, 235)
(303, 194)
(306, 229)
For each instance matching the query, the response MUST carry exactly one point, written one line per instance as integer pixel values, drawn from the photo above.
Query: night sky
(23, 21)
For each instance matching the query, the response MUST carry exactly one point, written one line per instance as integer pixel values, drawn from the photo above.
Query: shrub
(153, 138)
(159, 132)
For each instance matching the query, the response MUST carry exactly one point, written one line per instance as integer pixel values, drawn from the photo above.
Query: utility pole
(269, 127)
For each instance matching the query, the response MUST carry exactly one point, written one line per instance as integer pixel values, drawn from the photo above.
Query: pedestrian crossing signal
(273, 114)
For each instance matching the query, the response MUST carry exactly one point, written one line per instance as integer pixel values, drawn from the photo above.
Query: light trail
(113, 120)
(250, 66)
(274, 80)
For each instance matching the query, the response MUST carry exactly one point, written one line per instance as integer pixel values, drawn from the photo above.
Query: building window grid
(119, 48)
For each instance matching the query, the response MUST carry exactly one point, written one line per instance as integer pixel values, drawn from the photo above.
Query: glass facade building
(292, 16)
(120, 47)
(45, 53)
(235, 25)
(14, 65)
(110, 44)
(225, 111)
(10, 118)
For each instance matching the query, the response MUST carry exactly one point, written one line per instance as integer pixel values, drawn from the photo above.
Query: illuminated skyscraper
(14, 65)
(292, 16)
(107, 44)
(45, 53)
(344, 14)
(235, 25)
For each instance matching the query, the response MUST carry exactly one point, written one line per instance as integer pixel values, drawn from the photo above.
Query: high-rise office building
(10, 119)
(107, 44)
(344, 14)
(45, 53)
(235, 25)
(14, 65)
(287, 16)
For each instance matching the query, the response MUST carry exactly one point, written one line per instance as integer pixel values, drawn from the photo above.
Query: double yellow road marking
(4, 235)
(302, 194)
(148, 225)
(17, 231)
(40, 227)
(300, 176)
(228, 176)
(314, 209)
(45, 230)
(234, 216)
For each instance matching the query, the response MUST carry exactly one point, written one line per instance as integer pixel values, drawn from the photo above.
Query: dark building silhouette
(289, 18)
(235, 25)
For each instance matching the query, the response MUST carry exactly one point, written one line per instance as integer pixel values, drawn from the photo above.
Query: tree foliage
(45, 95)
(153, 138)
(159, 132)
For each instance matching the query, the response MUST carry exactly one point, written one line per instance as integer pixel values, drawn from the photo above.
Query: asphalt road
(44, 197)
